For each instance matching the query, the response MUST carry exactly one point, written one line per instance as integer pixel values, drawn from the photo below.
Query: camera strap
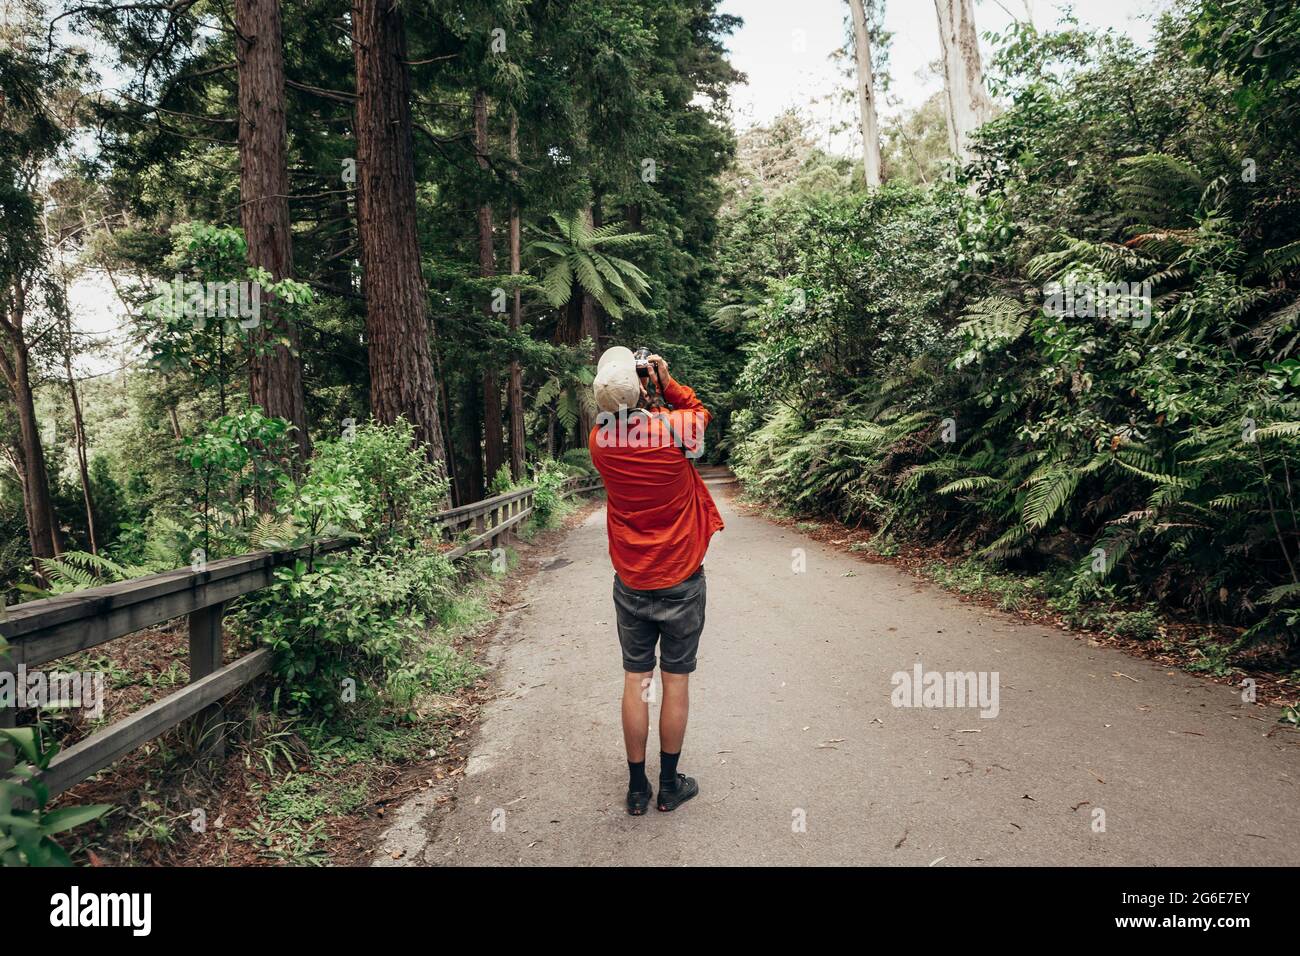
(667, 423)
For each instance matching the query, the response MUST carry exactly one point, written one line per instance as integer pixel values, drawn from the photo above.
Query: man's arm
(689, 416)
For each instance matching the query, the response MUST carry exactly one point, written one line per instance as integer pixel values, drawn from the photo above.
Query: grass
(560, 510)
(1011, 593)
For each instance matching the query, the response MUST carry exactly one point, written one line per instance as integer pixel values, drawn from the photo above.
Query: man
(660, 518)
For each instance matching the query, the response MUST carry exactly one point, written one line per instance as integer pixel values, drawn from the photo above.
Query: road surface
(1093, 758)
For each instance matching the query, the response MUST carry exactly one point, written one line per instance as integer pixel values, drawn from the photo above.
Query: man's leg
(636, 714)
(681, 619)
(672, 715)
(636, 727)
(638, 638)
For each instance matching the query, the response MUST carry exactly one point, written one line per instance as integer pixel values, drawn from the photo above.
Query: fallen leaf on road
(1126, 677)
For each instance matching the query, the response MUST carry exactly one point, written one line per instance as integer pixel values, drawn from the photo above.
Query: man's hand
(660, 366)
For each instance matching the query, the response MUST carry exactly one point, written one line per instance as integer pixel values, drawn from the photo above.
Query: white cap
(616, 384)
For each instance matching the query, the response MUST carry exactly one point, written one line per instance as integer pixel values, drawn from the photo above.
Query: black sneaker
(639, 800)
(670, 798)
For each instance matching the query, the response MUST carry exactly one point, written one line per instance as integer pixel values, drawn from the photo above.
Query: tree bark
(275, 368)
(469, 470)
(599, 321)
(493, 446)
(515, 389)
(42, 528)
(79, 430)
(402, 379)
(866, 95)
(968, 103)
(632, 213)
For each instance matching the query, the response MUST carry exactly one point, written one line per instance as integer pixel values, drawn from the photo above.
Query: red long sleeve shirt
(659, 514)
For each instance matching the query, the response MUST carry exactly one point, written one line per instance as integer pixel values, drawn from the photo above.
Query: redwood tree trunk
(599, 319)
(275, 369)
(402, 379)
(493, 447)
(79, 436)
(515, 391)
(42, 529)
(469, 470)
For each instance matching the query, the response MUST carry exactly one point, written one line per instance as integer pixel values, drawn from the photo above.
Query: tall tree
(30, 136)
(275, 369)
(969, 105)
(402, 379)
(515, 387)
(78, 427)
(493, 448)
(866, 94)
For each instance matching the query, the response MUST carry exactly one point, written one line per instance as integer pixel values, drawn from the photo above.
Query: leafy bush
(548, 506)
(908, 368)
(341, 624)
(27, 829)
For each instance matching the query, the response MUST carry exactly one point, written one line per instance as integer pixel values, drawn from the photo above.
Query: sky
(784, 48)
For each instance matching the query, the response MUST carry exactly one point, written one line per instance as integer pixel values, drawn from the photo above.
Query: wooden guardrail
(41, 631)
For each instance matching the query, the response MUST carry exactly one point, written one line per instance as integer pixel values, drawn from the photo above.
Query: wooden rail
(41, 631)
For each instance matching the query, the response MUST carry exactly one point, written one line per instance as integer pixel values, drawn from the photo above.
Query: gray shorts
(672, 617)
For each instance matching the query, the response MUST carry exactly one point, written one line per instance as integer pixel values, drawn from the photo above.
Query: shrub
(342, 623)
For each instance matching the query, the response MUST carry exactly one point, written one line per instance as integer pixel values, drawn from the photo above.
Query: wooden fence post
(206, 655)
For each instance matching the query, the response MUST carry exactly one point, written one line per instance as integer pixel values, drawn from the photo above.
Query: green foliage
(578, 253)
(548, 504)
(192, 321)
(382, 468)
(27, 828)
(927, 386)
(238, 465)
(342, 625)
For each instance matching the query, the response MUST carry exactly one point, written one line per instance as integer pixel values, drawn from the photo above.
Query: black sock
(668, 769)
(636, 780)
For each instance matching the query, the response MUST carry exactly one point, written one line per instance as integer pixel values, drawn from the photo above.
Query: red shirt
(659, 514)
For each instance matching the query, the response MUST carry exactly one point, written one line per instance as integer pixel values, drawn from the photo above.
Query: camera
(649, 382)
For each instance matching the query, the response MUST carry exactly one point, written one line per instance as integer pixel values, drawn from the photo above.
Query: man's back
(660, 514)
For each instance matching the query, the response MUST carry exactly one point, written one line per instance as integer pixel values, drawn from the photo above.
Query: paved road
(802, 759)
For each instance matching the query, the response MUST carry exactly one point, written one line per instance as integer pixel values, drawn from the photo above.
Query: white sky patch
(785, 49)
